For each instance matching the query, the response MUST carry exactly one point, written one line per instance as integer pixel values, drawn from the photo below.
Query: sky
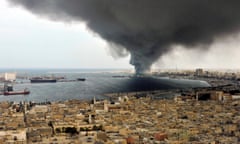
(29, 41)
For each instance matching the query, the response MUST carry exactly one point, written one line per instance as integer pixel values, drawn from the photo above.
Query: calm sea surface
(97, 83)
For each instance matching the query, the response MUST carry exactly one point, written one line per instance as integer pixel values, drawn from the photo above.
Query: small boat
(24, 92)
(81, 79)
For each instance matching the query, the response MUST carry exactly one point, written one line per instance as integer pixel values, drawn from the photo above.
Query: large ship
(43, 80)
(81, 79)
(8, 90)
(24, 92)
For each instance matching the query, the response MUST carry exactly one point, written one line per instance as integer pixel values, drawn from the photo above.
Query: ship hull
(81, 79)
(16, 93)
(43, 81)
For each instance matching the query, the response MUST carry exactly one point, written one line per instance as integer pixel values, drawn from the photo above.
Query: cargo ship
(42, 80)
(8, 90)
(24, 92)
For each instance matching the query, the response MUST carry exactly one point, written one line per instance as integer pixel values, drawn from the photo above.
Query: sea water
(98, 82)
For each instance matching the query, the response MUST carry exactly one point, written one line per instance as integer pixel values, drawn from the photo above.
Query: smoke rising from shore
(147, 29)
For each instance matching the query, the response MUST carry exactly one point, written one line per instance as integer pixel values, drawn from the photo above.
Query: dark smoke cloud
(146, 28)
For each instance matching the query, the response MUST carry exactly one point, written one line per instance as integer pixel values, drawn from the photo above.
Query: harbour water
(97, 83)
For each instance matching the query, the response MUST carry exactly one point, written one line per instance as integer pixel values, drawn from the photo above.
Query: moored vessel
(81, 79)
(24, 92)
(42, 80)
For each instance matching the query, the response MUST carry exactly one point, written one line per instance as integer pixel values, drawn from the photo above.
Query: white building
(8, 76)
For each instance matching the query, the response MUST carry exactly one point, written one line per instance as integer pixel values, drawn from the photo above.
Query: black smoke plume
(147, 29)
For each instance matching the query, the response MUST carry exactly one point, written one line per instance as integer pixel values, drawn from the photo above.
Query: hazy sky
(28, 41)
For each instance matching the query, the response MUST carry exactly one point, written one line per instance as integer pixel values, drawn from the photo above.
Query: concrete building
(199, 72)
(8, 76)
